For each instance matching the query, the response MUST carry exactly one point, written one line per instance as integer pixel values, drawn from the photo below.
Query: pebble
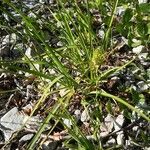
(120, 10)
(111, 141)
(67, 122)
(120, 138)
(118, 123)
(77, 114)
(85, 116)
(101, 34)
(142, 86)
(26, 137)
(143, 56)
(109, 122)
(138, 49)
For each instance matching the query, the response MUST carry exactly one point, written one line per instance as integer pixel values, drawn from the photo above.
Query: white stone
(103, 134)
(101, 33)
(138, 49)
(135, 128)
(67, 122)
(142, 1)
(28, 52)
(142, 86)
(111, 141)
(118, 122)
(120, 10)
(143, 55)
(77, 114)
(109, 122)
(85, 116)
(120, 138)
(13, 38)
(63, 92)
(26, 137)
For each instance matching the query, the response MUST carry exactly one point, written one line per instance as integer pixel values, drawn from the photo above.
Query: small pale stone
(111, 141)
(60, 44)
(142, 86)
(135, 128)
(28, 52)
(77, 114)
(120, 138)
(85, 116)
(52, 72)
(62, 92)
(67, 122)
(118, 122)
(103, 128)
(138, 49)
(13, 38)
(109, 122)
(13, 120)
(101, 34)
(103, 134)
(143, 56)
(120, 10)
(26, 137)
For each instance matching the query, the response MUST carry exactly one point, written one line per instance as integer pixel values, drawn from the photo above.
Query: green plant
(77, 61)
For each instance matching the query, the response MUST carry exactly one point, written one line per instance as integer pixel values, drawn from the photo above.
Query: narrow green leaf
(120, 100)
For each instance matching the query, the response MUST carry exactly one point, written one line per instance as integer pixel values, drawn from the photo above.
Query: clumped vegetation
(74, 74)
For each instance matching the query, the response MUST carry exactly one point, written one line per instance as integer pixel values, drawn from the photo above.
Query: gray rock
(14, 120)
(11, 122)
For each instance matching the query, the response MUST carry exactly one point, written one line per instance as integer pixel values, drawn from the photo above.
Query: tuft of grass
(76, 62)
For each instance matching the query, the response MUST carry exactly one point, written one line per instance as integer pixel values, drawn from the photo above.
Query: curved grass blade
(120, 100)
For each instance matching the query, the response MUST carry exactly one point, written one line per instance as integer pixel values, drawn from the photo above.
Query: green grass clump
(76, 62)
